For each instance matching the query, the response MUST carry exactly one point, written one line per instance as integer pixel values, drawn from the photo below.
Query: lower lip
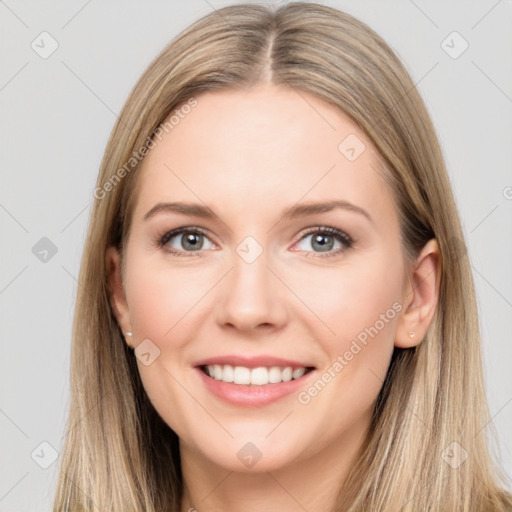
(251, 395)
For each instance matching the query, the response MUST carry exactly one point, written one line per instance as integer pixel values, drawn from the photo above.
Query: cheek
(162, 302)
(362, 313)
(360, 293)
(358, 306)
(162, 297)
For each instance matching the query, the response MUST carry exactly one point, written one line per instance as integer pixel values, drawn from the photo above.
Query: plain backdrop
(57, 112)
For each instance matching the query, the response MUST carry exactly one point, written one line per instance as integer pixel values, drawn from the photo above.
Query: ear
(116, 291)
(420, 296)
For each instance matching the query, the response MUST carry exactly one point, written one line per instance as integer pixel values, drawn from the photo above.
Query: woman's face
(271, 286)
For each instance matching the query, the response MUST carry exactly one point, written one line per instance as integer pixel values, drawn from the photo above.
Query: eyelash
(163, 238)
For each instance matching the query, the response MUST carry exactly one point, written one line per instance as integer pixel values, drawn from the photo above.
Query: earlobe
(116, 292)
(420, 297)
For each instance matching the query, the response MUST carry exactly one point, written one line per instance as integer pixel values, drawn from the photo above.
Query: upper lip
(252, 362)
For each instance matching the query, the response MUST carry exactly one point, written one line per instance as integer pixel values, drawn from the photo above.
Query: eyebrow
(298, 210)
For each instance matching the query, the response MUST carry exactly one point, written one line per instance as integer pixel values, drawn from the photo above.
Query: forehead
(247, 151)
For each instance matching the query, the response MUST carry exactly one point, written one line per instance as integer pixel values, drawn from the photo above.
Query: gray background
(57, 114)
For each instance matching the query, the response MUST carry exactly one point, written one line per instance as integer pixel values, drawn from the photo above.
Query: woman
(276, 310)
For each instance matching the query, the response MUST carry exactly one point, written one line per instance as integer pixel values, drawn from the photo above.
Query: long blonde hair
(118, 454)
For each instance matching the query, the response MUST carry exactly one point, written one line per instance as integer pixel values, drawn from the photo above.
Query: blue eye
(191, 240)
(323, 240)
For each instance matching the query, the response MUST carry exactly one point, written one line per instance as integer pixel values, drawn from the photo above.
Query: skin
(249, 156)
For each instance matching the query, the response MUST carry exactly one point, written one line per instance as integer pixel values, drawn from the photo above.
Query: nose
(252, 297)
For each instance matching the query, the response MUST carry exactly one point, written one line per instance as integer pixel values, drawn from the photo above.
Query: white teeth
(217, 371)
(274, 375)
(255, 376)
(298, 372)
(286, 374)
(259, 376)
(242, 375)
(228, 374)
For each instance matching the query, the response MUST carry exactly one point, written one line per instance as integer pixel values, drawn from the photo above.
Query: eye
(324, 240)
(184, 240)
(189, 240)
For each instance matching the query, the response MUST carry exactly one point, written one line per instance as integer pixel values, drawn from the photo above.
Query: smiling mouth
(259, 376)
